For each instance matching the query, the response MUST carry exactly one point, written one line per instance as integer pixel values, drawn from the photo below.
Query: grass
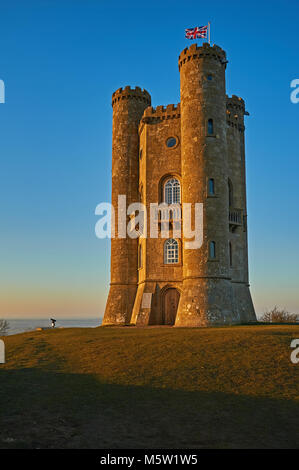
(232, 387)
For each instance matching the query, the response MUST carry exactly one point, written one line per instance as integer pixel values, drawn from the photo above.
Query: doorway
(171, 299)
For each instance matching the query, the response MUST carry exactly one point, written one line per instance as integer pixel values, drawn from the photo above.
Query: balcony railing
(235, 217)
(171, 213)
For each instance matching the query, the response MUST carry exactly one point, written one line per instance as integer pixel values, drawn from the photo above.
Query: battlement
(235, 102)
(161, 113)
(205, 51)
(131, 93)
(235, 111)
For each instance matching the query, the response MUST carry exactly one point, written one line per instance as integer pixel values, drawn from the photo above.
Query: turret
(128, 107)
(207, 293)
(238, 211)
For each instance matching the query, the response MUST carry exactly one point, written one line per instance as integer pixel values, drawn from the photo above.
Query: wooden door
(171, 302)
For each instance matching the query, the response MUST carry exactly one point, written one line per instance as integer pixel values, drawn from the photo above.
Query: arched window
(212, 250)
(140, 261)
(211, 187)
(210, 126)
(172, 191)
(171, 251)
(230, 193)
(230, 254)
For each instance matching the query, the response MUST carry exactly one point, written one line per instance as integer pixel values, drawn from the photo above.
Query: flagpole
(209, 24)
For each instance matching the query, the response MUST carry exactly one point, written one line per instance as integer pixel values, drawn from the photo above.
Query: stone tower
(189, 153)
(128, 107)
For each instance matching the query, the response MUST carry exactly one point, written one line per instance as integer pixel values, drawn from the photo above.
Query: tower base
(144, 306)
(243, 302)
(206, 302)
(119, 304)
(203, 302)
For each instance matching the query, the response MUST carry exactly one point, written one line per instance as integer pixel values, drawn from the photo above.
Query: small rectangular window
(230, 254)
(210, 126)
(211, 187)
(212, 250)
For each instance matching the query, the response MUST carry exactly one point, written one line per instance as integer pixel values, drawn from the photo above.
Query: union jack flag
(197, 32)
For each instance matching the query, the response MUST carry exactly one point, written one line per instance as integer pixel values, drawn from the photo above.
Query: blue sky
(60, 61)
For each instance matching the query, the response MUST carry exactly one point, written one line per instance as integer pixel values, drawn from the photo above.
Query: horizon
(56, 138)
(48, 318)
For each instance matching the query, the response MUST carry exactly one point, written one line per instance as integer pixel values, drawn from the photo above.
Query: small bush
(4, 327)
(277, 315)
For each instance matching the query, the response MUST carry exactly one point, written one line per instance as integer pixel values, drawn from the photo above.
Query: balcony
(235, 217)
(169, 217)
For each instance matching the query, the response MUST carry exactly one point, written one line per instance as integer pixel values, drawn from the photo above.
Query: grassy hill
(150, 388)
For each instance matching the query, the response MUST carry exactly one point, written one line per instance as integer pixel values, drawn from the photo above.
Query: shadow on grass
(50, 410)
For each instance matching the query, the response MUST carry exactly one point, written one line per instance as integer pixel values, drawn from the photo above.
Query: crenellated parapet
(235, 112)
(128, 93)
(236, 103)
(161, 113)
(205, 51)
